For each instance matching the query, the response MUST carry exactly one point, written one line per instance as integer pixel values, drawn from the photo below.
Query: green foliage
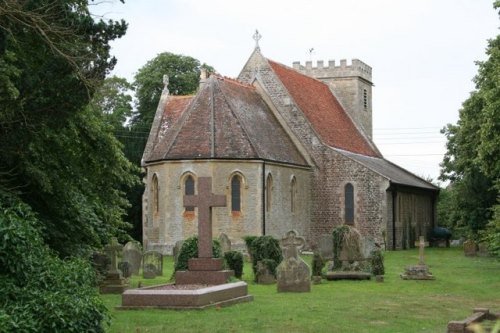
(189, 250)
(266, 249)
(57, 153)
(377, 262)
(492, 232)
(40, 292)
(472, 160)
(234, 261)
(338, 235)
(317, 264)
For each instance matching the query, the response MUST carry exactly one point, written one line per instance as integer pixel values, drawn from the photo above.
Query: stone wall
(173, 222)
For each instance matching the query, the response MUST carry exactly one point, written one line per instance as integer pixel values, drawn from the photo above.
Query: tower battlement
(357, 68)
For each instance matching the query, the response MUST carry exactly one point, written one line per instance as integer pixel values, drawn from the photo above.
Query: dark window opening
(235, 194)
(189, 190)
(349, 204)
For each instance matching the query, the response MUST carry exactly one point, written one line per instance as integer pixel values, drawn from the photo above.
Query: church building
(290, 148)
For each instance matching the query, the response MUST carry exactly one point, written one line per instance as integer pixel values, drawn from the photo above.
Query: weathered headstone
(351, 247)
(125, 268)
(114, 282)
(100, 261)
(225, 243)
(293, 274)
(470, 248)
(482, 250)
(420, 271)
(133, 255)
(264, 274)
(325, 245)
(152, 264)
(205, 269)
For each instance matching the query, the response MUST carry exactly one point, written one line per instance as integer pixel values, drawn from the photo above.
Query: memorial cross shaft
(205, 200)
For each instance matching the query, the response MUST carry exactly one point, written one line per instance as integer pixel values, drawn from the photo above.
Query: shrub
(317, 264)
(234, 261)
(265, 247)
(40, 292)
(248, 242)
(189, 250)
(377, 262)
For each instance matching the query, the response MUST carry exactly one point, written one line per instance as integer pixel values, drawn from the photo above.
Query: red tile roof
(323, 111)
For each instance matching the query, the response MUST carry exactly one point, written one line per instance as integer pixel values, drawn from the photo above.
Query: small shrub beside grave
(266, 249)
(234, 261)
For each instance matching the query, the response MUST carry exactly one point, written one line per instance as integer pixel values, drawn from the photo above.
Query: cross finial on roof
(256, 36)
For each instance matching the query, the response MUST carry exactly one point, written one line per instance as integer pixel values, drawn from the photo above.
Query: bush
(377, 262)
(234, 261)
(317, 264)
(40, 292)
(248, 242)
(265, 247)
(189, 250)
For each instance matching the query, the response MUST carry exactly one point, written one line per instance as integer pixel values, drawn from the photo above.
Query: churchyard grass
(395, 305)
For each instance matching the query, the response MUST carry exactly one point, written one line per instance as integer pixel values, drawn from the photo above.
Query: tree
(472, 160)
(57, 154)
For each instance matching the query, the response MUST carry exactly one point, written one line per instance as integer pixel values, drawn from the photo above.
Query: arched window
(293, 194)
(155, 194)
(236, 193)
(269, 192)
(189, 190)
(349, 203)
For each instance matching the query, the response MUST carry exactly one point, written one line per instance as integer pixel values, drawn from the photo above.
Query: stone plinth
(197, 297)
(203, 277)
(114, 283)
(417, 272)
(349, 275)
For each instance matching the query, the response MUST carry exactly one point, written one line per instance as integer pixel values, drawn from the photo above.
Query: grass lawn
(395, 305)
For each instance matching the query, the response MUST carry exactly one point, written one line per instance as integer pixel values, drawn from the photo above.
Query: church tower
(351, 84)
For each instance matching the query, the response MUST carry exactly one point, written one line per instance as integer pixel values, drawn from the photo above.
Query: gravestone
(225, 243)
(325, 245)
(264, 274)
(482, 250)
(293, 274)
(470, 248)
(113, 283)
(133, 255)
(420, 271)
(205, 269)
(152, 264)
(351, 263)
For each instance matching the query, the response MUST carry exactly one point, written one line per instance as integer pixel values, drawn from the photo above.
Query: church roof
(227, 119)
(323, 111)
(395, 174)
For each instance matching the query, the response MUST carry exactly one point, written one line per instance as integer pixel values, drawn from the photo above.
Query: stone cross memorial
(293, 274)
(113, 283)
(205, 200)
(420, 271)
(205, 269)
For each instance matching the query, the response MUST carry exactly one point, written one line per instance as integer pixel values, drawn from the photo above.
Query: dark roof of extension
(323, 111)
(225, 120)
(391, 171)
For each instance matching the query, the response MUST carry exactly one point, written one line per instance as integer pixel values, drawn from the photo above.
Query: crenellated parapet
(357, 68)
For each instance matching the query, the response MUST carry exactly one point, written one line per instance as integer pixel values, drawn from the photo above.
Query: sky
(423, 53)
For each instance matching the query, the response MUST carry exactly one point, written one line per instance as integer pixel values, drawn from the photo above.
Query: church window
(365, 99)
(189, 190)
(236, 193)
(154, 194)
(269, 192)
(349, 204)
(293, 194)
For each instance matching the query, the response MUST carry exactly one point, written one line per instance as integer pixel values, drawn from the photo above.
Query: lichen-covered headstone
(325, 246)
(470, 248)
(293, 274)
(114, 282)
(152, 264)
(225, 243)
(133, 255)
(176, 251)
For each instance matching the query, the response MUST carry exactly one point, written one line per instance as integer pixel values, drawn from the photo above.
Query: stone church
(291, 148)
